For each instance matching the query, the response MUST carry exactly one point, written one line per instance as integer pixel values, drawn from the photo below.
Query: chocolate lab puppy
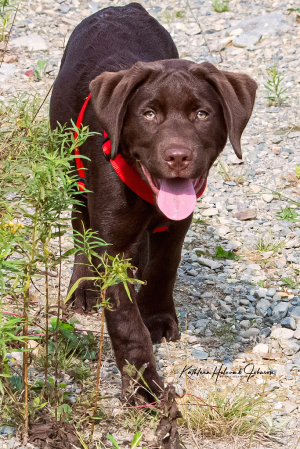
(169, 119)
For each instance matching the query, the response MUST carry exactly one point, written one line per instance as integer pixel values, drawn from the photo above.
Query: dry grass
(225, 408)
(268, 243)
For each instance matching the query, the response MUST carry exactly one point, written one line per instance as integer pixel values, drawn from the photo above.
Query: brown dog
(169, 119)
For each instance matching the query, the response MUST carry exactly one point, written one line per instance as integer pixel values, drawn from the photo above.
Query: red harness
(129, 175)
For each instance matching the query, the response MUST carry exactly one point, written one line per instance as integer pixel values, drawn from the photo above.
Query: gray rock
(8, 70)
(261, 292)
(192, 339)
(261, 348)
(290, 347)
(7, 430)
(246, 39)
(223, 230)
(199, 355)
(252, 332)
(202, 323)
(94, 6)
(31, 41)
(245, 324)
(289, 323)
(291, 258)
(282, 333)
(276, 297)
(297, 334)
(227, 363)
(230, 183)
(295, 313)
(290, 407)
(294, 134)
(262, 307)
(292, 244)
(15, 355)
(267, 197)
(209, 263)
(265, 332)
(271, 292)
(210, 212)
(193, 28)
(280, 310)
(64, 8)
(266, 24)
(225, 306)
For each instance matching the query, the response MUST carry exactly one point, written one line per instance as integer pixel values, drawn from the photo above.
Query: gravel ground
(234, 311)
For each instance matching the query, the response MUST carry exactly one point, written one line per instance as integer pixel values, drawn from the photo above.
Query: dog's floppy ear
(111, 92)
(237, 95)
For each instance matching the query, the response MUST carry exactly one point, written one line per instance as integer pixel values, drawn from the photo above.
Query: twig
(205, 403)
(98, 364)
(42, 103)
(202, 33)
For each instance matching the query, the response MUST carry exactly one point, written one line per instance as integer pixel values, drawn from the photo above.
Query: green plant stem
(25, 329)
(227, 177)
(103, 293)
(57, 328)
(47, 331)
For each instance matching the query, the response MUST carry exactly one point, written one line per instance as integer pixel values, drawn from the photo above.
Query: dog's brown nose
(178, 159)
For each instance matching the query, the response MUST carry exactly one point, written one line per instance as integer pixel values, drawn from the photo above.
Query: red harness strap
(79, 165)
(129, 175)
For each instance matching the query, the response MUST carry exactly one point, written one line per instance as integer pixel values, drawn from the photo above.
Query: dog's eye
(201, 115)
(150, 115)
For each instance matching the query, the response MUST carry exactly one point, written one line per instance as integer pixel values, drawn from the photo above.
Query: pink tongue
(176, 198)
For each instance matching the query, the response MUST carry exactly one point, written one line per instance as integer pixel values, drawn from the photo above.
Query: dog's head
(171, 119)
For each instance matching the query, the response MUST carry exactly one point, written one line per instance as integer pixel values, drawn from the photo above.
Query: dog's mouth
(175, 197)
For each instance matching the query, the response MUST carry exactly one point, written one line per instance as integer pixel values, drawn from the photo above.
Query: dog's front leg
(155, 298)
(132, 343)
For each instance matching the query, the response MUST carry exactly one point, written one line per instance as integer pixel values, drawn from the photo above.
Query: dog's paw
(85, 297)
(162, 325)
(136, 392)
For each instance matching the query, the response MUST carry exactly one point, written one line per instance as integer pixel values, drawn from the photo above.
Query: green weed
(134, 443)
(199, 253)
(7, 7)
(180, 14)
(267, 243)
(220, 5)
(290, 283)
(73, 348)
(224, 332)
(198, 221)
(9, 330)
(274, 87)
(38, 185)
(287, 214)
(172, 16)
(41, 70)
(222, 254)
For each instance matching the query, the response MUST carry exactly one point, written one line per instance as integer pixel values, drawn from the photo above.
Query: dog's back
(109, 40)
